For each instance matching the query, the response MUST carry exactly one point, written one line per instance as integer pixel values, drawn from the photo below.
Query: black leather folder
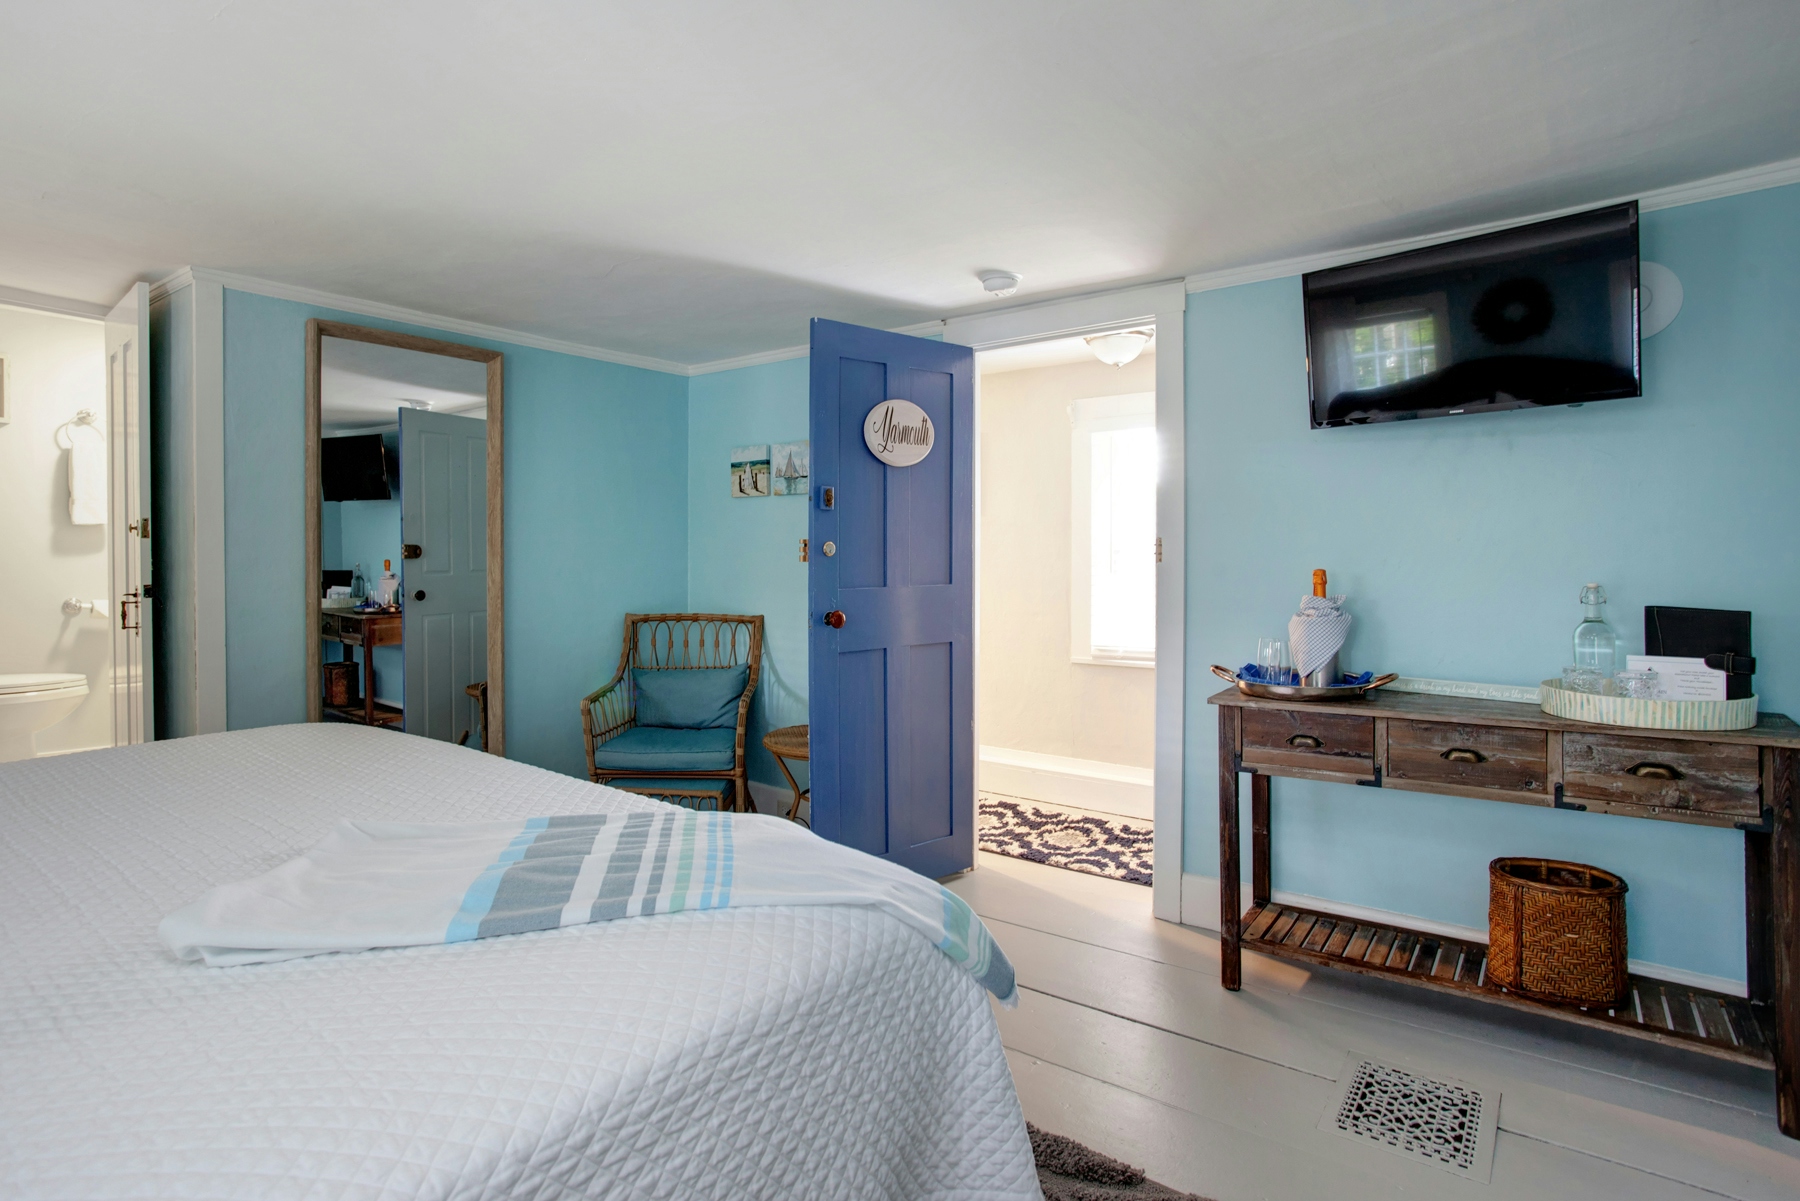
(1719, 636)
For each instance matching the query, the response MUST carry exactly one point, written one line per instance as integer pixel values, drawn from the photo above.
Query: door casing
(1165, 306)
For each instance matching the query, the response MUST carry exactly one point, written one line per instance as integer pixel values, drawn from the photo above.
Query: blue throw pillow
(701, 698)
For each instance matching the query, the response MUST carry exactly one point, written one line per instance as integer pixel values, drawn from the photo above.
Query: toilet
(33, 702)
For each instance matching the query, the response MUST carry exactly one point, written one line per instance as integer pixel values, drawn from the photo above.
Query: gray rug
(1068, 1171)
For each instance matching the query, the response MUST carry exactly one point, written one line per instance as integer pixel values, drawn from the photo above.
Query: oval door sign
(898, 433)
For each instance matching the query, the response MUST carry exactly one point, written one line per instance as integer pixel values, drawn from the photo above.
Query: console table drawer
(1493, 757)
(1319, 742)
(1709, 777)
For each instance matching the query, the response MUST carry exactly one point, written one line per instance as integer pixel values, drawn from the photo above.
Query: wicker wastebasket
(1556, 931)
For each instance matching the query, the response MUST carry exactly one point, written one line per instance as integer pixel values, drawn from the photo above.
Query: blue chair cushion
(659, 748)
(701, 698)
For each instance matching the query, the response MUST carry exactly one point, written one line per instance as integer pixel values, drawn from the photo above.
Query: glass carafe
(1596, 642)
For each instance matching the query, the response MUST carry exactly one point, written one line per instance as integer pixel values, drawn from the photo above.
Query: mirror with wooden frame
(405, 619)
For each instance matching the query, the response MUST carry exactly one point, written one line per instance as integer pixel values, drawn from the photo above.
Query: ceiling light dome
(1000, 283)
(1118, 349)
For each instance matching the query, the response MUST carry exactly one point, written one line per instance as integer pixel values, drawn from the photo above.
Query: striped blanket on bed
(382, 884)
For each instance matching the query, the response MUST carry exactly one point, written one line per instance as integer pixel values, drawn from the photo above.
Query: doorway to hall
(1067, 552)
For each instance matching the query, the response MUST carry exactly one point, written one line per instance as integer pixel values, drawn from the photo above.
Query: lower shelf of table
(1713, 1023)
(385, 715)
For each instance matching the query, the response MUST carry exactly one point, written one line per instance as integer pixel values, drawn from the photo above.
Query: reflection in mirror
(403, 538)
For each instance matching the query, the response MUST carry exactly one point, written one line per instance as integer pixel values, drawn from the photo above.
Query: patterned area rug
(1078, 839)
(1068, 1171)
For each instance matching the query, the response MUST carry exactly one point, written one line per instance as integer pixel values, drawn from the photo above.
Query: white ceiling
(692, 181)
(362, 385)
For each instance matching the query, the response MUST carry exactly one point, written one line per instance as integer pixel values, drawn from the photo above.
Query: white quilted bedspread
(749, 1053)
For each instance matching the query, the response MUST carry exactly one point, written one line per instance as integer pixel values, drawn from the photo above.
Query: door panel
(927, 486)
(443, 511)
(862, 527)
(862, 775)
(892, 691)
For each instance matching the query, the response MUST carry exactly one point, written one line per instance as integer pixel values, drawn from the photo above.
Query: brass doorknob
(835, 619)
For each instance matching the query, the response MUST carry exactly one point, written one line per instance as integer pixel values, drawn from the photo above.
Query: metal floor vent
(1445, 1123)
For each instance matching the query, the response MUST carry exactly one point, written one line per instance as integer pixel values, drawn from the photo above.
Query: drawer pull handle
(1463, 754)
(1305, 740)
(1654, 771)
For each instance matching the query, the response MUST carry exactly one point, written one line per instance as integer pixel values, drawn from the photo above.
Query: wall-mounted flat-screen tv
(1544, 314)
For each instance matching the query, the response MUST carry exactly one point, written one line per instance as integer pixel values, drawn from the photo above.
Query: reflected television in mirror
(1545, 314)
(354, 467)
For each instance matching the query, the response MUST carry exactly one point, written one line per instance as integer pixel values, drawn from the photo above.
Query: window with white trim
(1113, 522)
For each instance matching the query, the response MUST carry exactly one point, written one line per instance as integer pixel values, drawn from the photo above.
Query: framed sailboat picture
(790, 465)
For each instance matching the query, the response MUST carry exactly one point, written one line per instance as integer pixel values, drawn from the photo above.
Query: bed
(781, 1052)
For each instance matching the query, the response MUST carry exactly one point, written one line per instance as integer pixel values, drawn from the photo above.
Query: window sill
(1098, 661)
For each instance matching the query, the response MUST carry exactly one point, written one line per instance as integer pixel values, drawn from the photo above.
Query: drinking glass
(1640, 684)
(1581, 679)
(1271, 660)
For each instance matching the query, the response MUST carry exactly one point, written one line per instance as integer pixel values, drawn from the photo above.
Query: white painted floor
(1124, 1040)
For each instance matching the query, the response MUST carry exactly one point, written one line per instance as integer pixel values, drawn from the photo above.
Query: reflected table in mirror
(367, 630)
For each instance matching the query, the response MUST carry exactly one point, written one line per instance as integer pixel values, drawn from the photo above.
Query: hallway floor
(1124, 1040)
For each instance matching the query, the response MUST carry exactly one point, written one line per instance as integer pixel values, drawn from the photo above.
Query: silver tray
(1299, 692)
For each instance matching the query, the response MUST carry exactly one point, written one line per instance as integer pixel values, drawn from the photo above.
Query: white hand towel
(1317, 632)
(87, 475)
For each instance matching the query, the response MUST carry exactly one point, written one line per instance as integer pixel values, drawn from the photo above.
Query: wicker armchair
(673, 642)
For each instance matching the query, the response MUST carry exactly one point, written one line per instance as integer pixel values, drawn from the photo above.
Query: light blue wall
(172, 506)
(366, 532)
(596, 521)
(1462, 543)
(743, 555)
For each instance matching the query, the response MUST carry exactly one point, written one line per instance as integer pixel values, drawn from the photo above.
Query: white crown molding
(393, 312)
(45, 303)
(919, 330)
(1754, 179)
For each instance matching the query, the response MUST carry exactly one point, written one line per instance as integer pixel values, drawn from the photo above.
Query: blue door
(890, 585)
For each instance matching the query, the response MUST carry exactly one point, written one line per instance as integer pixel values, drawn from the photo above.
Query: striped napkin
(1317, 632)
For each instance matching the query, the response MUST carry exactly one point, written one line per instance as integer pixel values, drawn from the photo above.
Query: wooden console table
(367, 630)
(1500, 751)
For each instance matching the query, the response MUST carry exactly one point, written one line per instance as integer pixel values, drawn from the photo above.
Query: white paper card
(1680, 679)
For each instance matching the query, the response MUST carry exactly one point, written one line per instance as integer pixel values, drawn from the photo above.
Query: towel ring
(82, 417)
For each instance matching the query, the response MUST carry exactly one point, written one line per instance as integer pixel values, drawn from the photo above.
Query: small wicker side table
(790, 742)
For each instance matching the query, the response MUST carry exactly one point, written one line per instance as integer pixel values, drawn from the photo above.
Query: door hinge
(411, 550)
(1159, 548)
(803, 550)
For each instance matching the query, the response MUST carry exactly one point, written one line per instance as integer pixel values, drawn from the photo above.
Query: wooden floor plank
(1626, 1072)
(1241, 1110)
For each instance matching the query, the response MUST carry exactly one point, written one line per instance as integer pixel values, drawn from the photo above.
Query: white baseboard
(1084, 783)
(1200, 907)
(774, 798)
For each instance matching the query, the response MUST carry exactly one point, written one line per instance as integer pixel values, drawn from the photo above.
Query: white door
(443, 514)
(128, 513)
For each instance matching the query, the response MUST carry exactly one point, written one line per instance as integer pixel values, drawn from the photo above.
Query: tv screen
(353, 467)
(1541, 315)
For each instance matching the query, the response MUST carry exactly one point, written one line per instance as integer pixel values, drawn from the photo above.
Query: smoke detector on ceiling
(1000, 283)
